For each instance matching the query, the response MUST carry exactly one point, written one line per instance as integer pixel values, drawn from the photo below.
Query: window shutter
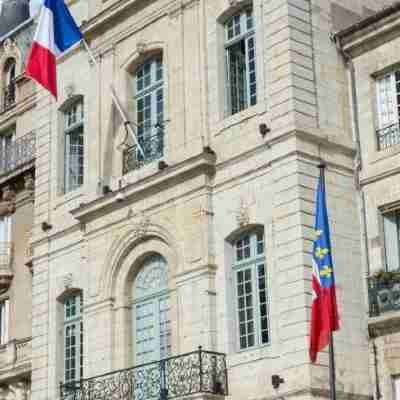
(391, 241)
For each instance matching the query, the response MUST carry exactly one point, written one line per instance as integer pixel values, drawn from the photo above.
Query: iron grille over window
(241, 61)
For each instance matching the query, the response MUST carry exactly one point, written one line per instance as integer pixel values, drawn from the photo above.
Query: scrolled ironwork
(153, 149)
(197, 372)
(388, 136)
(384, 295)
(9, 96)
(17, 153)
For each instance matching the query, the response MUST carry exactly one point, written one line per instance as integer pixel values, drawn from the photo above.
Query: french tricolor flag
(56, 33)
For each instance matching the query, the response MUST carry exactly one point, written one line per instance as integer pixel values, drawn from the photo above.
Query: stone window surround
(120, 270)
(382, 211)
(125, 87)
(231, 281)
(225, 119)
(62, 196)
(67, 293)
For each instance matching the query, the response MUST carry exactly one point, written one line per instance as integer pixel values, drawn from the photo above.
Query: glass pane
(386, 101)
(252, 70)
(262, 292)
(237, 76)
(391, 230)
(74, 159)
(245, 307)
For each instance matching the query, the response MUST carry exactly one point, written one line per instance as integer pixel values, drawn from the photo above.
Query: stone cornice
(204, 163)
(318, 392)
(380, 176)
(386, 324)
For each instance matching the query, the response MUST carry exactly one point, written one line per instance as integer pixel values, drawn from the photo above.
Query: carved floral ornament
(9, 46)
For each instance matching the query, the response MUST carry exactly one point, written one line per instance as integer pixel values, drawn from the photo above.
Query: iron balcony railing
(388, 136)
(197, 372)
(9, 96)
(384, 294)
(153, 148)
(17, 153)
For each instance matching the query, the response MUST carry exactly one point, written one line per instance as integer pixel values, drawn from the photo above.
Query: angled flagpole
(127, 123)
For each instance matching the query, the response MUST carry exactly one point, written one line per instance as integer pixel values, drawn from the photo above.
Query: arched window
(251, 290)
(240, 50)
(149, 107)
(152, 311)
(9, 84)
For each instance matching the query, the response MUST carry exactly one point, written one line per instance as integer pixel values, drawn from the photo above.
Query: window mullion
(256, 312)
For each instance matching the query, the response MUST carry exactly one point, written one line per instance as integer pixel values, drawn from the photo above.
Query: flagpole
(127, 123)
(332, 368)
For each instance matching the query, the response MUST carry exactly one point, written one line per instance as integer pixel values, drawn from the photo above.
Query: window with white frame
(4, 321)
(388, 107)
(391, 228)
(149, 98)
(74, 150)
(251, 290)
(73, 338)
(240, 47)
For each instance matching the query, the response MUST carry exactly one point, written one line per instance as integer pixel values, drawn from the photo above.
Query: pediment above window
(72, 99)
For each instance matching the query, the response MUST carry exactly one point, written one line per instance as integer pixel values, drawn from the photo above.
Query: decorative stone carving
(29, 182)
(68, 280)
(7, 205)
(9, 45)
(243, 214)
(142, 226)
(233, 3)
(141, 47)
(69, 90)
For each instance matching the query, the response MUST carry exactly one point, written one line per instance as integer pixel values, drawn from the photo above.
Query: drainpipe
(358, 161)
(358, 168)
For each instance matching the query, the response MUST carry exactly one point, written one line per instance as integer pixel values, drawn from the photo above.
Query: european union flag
(324, 313)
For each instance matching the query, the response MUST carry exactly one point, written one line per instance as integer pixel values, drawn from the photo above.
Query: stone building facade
(200, 236)
(370, 49)
(17, 172)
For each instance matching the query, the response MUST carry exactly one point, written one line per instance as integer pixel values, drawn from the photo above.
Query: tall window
(152, 311)
(241, 61)
(74, 153)
(150, 107)
(4, 315)
(391, 227)
(251, 290)
(7, 154)
(396, 387)
(9, 84)
(388, 105)
(73, 338)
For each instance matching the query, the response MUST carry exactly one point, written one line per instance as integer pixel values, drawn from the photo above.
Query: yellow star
(326, 271)
(321, 253)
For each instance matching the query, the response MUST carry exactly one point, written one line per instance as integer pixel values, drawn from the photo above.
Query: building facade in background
(371, 51)
(17, 161)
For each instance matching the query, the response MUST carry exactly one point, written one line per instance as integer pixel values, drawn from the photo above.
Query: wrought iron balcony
(183, 375)
(384, 293)
(388, 136)
(153, 148)
(17, 153)
(9, 96)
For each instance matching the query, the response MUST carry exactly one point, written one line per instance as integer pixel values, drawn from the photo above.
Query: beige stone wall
(188, 212)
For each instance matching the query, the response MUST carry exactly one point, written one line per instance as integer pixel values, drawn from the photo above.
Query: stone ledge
(385, 324)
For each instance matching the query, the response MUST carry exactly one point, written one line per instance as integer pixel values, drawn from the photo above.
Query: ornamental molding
(141, 225)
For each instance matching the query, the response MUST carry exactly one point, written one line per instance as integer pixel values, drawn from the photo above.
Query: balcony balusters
(179, 376)
(17, 153)
(388, 136)
(153, 148)
(384, 295)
